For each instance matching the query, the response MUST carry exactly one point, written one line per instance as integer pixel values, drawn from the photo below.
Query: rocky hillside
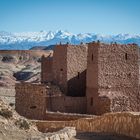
(15, 127)
(20, 66)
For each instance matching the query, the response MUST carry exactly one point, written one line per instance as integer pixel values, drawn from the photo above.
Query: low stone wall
(58, 116)
(118, 123)
(53, 126)
(125, 123)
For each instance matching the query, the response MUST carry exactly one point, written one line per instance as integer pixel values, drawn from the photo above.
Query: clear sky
(76, 16)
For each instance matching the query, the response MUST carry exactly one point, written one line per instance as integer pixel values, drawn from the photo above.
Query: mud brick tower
(67, 69)
(112, 78)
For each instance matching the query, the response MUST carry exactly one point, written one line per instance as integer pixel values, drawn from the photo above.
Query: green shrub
(6, 113)
(23, 124)
(20, 57)
(11, 104)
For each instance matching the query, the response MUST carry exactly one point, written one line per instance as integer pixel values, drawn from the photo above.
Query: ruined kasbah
(96, 80)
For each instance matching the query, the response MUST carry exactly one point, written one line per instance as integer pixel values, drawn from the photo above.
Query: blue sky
(76, 16)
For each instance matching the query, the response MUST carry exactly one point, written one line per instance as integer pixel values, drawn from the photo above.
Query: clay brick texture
(112, 78)
(95, 79)
(67, 104)
(67, 69)
(46, 69)
(30, 100)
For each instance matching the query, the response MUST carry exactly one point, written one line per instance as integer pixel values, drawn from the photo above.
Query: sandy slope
(15, 127)
(20, 65)
(16, 66)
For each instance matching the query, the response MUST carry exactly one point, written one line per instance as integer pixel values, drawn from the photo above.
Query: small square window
(33, 107)
(92, 57)
(126, 56)
(129, 74)
(78, 76)
(91, 101)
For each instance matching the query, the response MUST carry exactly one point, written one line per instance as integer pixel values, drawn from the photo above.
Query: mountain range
(27, 40)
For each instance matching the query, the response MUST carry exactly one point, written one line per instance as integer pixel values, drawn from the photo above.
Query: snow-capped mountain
(27, 40)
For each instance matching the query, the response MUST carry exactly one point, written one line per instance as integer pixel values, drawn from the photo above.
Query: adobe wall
(116, 72)
(76, 70)
(66, 104)
(97, 104)
(119, 72)
(92, 79)
(67, 69)
(118, 66)
(125, 123)
(60, 67)
(139, 65)
(58, 116)
(30, 100)
(46, 69)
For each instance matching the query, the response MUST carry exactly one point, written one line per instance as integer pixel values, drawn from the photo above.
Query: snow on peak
(26, 40)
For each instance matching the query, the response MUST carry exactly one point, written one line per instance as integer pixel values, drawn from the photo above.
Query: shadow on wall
(77, 85)
(101, 136)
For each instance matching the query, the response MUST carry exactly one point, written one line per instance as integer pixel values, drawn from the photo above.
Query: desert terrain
(17, 66)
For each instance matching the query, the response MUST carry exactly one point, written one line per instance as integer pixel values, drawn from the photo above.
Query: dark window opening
(129, 74)
(91, 101)
(78, 76)
(92, 57)
(61, 69)
(33, 107)
(126, 56)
